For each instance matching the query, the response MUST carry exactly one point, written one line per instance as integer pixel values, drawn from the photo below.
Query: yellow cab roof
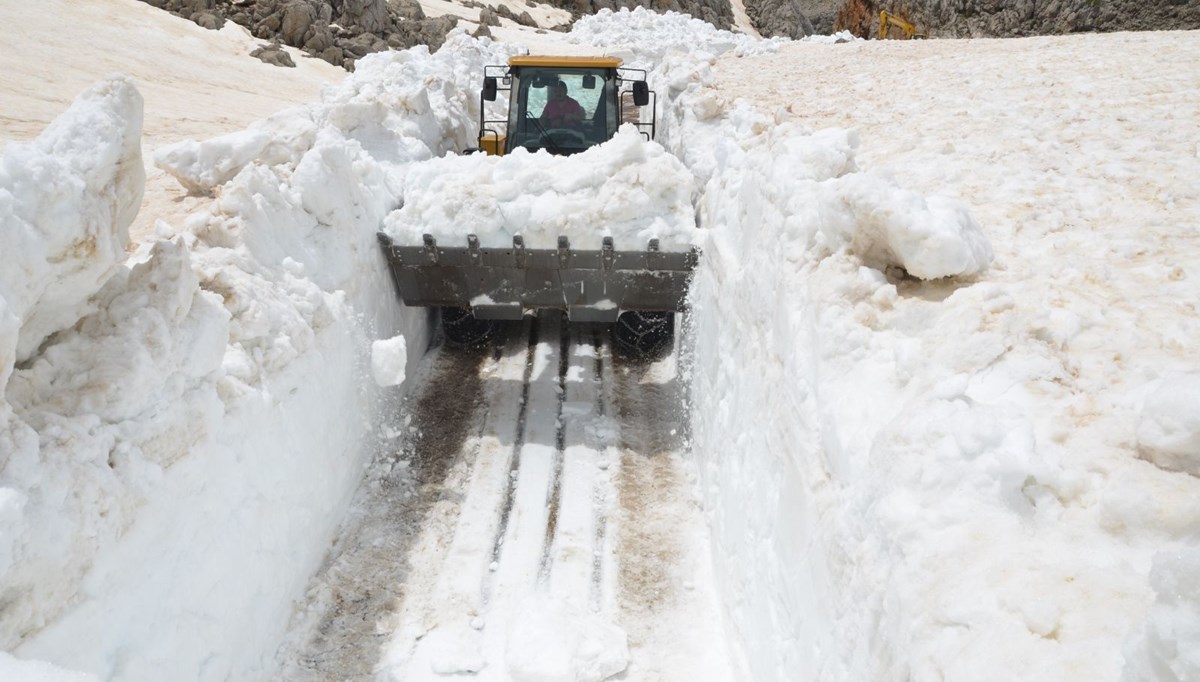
(564, 60)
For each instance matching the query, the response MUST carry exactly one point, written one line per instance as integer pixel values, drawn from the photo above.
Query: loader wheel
(644, 334)
(461, 328)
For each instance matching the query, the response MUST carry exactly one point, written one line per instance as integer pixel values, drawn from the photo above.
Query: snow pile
(626, 188)
(810, 185)
(803, 191)
(1168, 433)
(66, 201)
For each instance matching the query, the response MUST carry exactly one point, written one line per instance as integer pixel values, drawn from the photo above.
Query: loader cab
(595, 93)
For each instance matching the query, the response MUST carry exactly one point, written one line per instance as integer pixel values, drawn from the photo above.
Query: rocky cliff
(973, 18)
(341, 31)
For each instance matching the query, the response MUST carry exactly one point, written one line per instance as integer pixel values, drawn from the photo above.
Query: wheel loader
(637, 289)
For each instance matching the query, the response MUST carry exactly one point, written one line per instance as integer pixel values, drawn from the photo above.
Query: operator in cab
(561, 110)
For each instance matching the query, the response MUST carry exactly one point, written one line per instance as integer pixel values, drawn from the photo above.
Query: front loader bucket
(506, 283)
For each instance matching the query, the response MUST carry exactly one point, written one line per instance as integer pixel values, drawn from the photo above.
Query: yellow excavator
(638, 290)
(887, 20)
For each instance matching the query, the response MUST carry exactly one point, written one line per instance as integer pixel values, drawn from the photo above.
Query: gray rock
(482, 31)
(359, 45)
(488, 17)
(408, 9)
(208, 19)
(779, 18)
(321, 40)
(298, 17)
(369, 15)
(274, 55)
(269, 25)
(333, 55)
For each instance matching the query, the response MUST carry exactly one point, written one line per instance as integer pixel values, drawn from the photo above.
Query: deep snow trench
(910, 430)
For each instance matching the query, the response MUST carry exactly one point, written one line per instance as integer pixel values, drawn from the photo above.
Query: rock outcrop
(1011, 18)
(972, 18)
(338, 31)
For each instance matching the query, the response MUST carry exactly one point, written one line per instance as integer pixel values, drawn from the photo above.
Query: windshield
(562, 110)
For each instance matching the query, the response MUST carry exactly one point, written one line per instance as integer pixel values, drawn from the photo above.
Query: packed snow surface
(941, 354)
(977, 478)
(627, 188)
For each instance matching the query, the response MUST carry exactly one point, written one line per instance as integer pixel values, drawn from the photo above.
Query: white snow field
(931, 415)
(196, 83)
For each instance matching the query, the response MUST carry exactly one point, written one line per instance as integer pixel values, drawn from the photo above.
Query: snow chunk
(1167, 646)
(886, 225)
(66, 202)
(626, 188)
(201, 166)
(1168, 432)
(388, 359)
(553, 643)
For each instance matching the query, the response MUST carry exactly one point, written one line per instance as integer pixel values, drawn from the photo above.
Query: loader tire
(461, 328)
(645, 334)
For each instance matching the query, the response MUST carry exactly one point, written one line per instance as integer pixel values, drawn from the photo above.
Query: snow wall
(182, 431)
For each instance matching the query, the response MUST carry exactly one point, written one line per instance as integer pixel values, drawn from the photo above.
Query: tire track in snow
(450, 589)
(647, 482)
(664, 582)
(555, 499)
(364, 576)
(518, 443)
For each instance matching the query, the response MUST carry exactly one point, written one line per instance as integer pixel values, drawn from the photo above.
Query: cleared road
(536, 524)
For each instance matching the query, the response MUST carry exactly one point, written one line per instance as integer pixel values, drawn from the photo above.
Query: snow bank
(172, 460)
(66, 202)
(626, 188)
(788, 212)
(646, 36)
